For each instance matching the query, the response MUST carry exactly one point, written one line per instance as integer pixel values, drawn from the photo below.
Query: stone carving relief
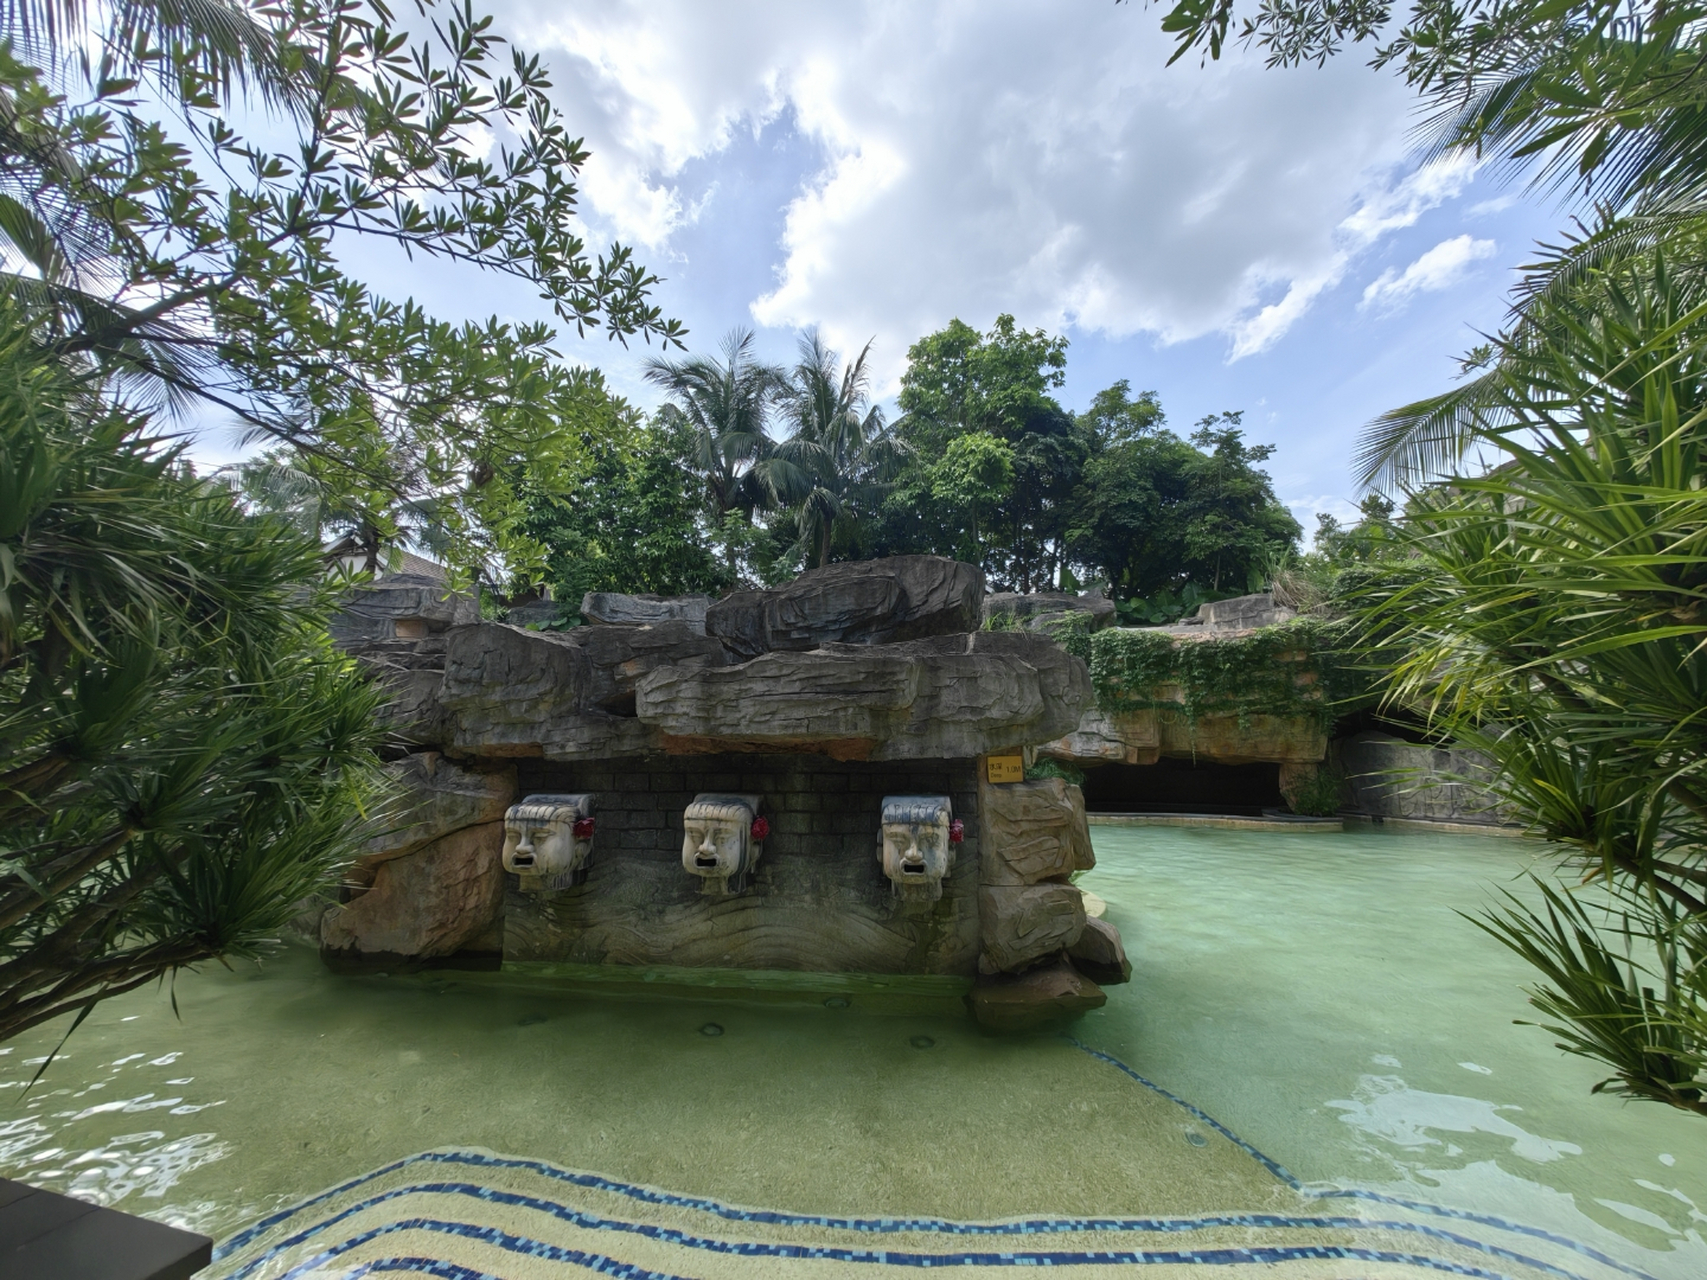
(722, 839)
(916, 845)
(548, 841)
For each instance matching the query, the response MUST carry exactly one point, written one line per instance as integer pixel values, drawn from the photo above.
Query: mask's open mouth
(705, 860)
(522, 860)
(912, 868)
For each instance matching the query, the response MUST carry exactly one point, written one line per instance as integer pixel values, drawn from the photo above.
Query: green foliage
(194, 266)
(1167, 519)
(1317, 796)
(1048, 768)
(634, 522)
(836, 465)
(1072, 633)
(1284, 670)
(183, 756)
(1646, 1020)
(1553, 617)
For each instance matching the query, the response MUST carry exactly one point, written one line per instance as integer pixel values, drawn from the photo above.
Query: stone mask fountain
(722, 838)
(916, 845)
(548, 841)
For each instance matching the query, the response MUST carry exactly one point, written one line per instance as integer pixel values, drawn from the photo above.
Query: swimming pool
(1338, 1039)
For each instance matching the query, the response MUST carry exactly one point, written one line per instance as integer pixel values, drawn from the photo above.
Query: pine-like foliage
(183, 756)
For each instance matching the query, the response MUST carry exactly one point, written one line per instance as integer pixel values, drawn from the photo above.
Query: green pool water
(1316, 994)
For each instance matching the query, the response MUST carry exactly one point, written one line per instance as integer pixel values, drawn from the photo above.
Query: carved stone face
(717, 840)
(914, 845)
(541, 844)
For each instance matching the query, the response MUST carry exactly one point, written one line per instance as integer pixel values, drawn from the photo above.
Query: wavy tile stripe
(669, 1235)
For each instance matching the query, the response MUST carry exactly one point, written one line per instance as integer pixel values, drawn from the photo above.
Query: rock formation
(872, 602)
(814, 706)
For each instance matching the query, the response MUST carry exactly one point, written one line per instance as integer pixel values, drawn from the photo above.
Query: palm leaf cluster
(1555, 618)
(829, 469)
(183, 756)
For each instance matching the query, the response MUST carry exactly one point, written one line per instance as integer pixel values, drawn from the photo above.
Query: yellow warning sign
(1004, 768)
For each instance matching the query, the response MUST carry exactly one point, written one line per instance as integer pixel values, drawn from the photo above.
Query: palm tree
(839, 454)
(724, 403)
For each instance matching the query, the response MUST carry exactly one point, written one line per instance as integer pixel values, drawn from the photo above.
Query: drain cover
(711, 1029)
(922, 1042)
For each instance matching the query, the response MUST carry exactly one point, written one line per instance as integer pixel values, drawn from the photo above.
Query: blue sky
(1230, 237)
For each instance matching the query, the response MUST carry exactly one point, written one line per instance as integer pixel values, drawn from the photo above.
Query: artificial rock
(435, 798)
(1040, 997)
(1034, 831)
(437, 901)
(1042, 607)
(510, 691)
(400, 606)
(1100, 955)
(872, 602)
(947, 698)
(1022, 923)
(614, 608)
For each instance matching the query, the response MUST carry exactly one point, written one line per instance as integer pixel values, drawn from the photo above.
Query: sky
(1230, 236)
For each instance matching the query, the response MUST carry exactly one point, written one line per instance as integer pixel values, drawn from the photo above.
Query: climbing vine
(1292, 669)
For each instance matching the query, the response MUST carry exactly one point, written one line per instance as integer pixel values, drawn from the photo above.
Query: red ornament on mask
(761, 828)
(956, 832)
(583, 828)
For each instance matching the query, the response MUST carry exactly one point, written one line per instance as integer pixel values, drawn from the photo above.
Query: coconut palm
(839, 455)
(724, 404)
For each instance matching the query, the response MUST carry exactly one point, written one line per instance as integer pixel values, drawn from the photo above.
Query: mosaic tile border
(670, 1235)
(1262, 1255)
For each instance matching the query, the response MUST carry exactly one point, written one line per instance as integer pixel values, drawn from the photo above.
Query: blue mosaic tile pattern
(1260, 1254)
(668, 1235)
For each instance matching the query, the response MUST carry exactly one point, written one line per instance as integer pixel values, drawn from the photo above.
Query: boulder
(437, 797)
(533, 613)
(1018, 924)
(860, 602)
(951, 697)
(1038, 608)
(1042, 997)
(434, 902)
(1241, 613)
(613, 608)
(1128, 737)
(411, 672)
(400, 606)
(1033, 831)
(1224, 739)
(509, 691)
(1100, 955)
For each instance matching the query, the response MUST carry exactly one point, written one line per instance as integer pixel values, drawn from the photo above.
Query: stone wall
(1387, 777)
(819, 900)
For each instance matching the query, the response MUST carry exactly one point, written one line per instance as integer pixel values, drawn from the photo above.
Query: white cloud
(994, 155)
(1439, 268)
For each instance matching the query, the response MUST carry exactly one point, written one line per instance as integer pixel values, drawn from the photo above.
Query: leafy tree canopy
(197, 267)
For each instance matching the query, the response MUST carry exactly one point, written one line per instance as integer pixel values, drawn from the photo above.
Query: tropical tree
(724, 404)
(960, 383)
(183, 755)
(1168, 520)
(833, 468)
(193, 266)
(635, 521)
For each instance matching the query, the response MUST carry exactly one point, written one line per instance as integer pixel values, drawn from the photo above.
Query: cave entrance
(1184, 786)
